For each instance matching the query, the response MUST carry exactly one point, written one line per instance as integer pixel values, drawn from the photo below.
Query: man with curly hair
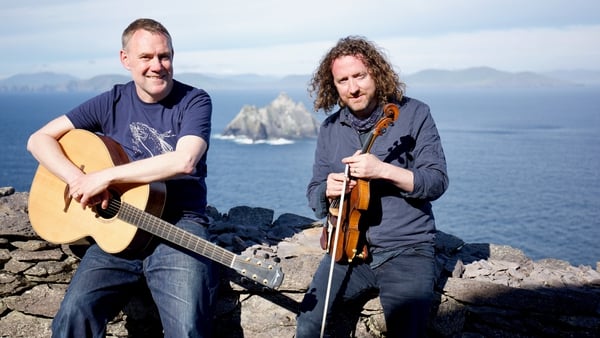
(405, 169)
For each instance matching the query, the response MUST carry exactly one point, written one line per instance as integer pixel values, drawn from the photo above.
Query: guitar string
(150, 223)
(133, 215)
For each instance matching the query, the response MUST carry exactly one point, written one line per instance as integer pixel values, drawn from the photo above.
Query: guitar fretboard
(170, 232)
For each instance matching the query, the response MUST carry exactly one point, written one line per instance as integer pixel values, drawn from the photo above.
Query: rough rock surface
(281, 119)
(483, 290)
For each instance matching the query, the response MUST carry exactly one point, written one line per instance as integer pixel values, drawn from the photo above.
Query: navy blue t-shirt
(145, 130)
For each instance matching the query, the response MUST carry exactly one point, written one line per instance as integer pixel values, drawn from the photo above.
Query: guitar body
(58, 220)
(132, 218)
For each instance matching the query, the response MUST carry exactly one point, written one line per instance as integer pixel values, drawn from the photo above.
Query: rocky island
(281, 119)
(482, 290)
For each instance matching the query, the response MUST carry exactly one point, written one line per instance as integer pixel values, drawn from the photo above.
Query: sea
(524, 164)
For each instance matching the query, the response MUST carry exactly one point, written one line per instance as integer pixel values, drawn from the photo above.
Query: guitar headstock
(264, 273)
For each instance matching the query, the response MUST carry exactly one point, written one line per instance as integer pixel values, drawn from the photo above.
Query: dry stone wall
(483, 290)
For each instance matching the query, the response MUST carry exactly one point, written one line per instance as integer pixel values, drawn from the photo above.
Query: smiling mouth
(355, 98)
(155, 77)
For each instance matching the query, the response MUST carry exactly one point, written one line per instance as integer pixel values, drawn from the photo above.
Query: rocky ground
(483, 290)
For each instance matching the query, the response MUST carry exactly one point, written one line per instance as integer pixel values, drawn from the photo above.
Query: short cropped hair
(149, 25)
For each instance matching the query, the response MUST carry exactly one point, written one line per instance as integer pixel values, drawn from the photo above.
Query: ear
(124, 59)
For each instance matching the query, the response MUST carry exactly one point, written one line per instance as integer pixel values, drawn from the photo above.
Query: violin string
(334, 251)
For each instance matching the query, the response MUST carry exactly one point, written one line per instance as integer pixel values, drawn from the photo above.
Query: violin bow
(390, 115)
(334, 253)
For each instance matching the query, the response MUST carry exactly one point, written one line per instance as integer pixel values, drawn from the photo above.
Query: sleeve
(429, 167)
(197, 117)
(90, 114)
(315, 193)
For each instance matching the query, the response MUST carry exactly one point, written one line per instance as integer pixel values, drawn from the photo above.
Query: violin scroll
(391, 111)
(390, 114)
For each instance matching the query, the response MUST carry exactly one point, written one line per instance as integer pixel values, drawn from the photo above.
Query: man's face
(354, 84)
(149, 58)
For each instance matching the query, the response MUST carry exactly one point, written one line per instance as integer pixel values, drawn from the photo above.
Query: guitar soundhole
(113, 207)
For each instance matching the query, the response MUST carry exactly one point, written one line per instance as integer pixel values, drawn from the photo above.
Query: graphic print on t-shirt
(148, 140)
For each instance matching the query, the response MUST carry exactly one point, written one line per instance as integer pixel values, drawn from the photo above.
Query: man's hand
(90, 190)
(366, 166)
(335, 185)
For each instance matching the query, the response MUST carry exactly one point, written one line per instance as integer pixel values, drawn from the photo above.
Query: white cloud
(278, 37)
(540, 49)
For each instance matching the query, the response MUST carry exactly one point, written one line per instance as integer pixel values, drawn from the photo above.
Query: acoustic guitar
(132, 217)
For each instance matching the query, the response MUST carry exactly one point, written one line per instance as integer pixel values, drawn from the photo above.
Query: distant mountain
(580, 76)
(36, 82)
(482, 77)
(477, 77)
(97, 83)
(57, 82)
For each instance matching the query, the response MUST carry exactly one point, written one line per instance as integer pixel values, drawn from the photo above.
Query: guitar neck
(171, 233)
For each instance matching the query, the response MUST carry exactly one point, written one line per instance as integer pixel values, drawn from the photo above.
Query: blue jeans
(404, 282)
(183, 286)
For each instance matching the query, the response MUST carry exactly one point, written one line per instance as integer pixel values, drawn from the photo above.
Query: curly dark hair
(387, 82)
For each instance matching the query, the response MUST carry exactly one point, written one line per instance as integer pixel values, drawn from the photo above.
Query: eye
(164, 57)
(341, 81)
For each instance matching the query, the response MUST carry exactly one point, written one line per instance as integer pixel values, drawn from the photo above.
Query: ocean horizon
(523, 164)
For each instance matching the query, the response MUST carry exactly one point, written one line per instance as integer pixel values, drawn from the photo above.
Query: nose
(155, 63)
(353, 86)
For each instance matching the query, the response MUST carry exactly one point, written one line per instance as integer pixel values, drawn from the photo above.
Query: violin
(343, 220)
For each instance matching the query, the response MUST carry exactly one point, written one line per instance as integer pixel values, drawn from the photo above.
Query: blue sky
(275, 37)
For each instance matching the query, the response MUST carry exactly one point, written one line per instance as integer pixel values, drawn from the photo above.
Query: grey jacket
(395, 219)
